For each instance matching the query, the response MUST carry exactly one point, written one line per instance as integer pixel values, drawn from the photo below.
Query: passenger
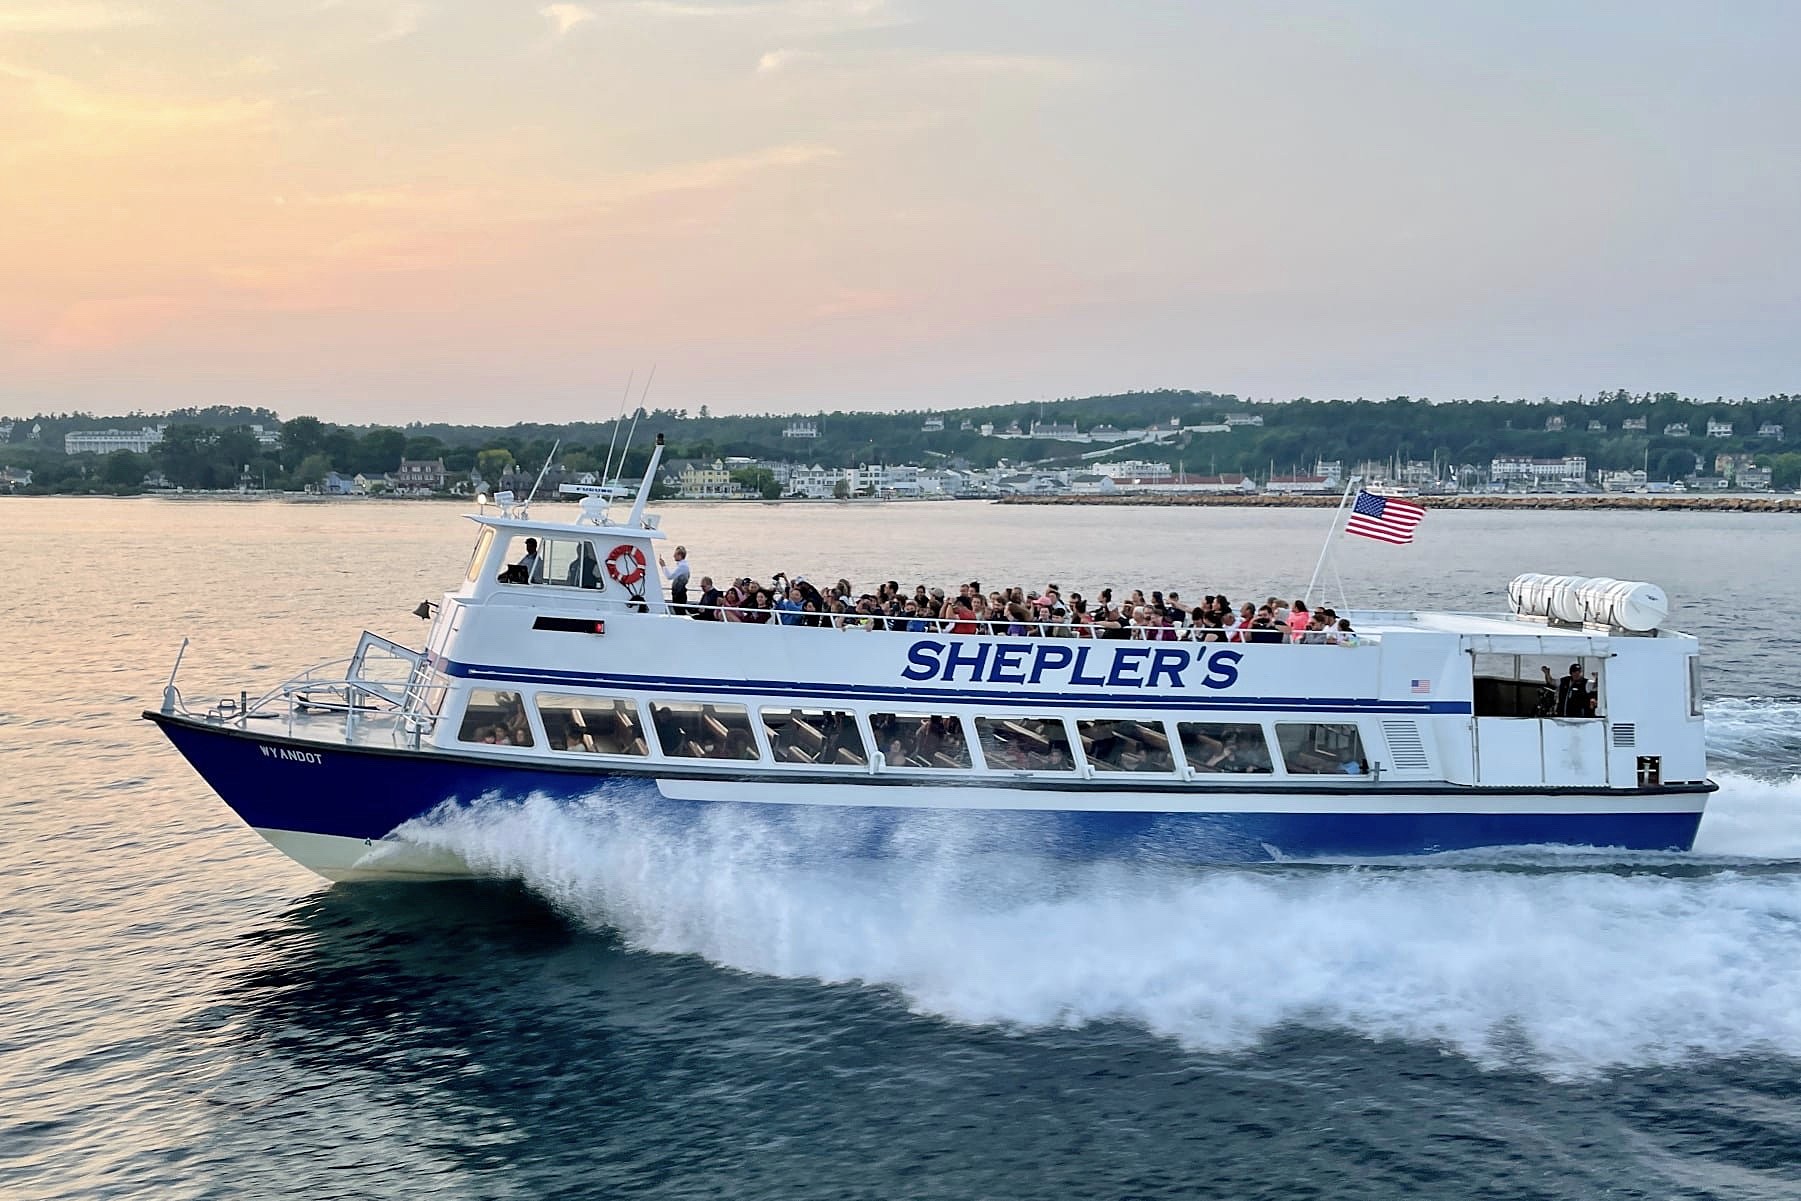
(961, 616)
(1112, 623)
(584, 572)
(1344, 635)
(678, 579)
(1298, 619)
(708, 608)
(1575, 698)
(1265, 629)
(532, 563)
(1081, 624)
(790, 608)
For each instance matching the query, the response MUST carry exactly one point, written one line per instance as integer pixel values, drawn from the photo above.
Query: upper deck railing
(1040, 628)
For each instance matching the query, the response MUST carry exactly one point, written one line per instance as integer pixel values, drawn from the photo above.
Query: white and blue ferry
(571, 678)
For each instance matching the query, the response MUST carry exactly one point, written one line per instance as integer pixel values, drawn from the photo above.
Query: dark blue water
(188, 1015)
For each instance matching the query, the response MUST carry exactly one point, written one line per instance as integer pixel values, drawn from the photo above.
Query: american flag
(1422, 688)
(1384, 518)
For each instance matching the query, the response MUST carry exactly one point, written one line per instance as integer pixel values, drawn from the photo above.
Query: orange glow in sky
(416, 209)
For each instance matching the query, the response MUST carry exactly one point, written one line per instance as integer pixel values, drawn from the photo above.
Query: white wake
(1599, 962)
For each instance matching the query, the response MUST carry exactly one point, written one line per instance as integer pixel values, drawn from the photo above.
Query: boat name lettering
(292, 756)
(1063, 663)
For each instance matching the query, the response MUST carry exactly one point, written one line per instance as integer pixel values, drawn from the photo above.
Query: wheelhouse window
(495, 717)
(1321, 749)
(561, 562)
(687, 730)
(1126, 745)
(1537, 686)
(480, 556)
(927, 740)
(573, 563)
(1025, 744)
(827, 737)
(1213, 747)
(594, 725)
(1694, 686)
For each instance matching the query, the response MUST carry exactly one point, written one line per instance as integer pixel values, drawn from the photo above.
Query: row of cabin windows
(913, 740)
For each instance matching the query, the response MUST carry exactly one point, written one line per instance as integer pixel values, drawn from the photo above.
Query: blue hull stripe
(1012, 696)
(364, 795)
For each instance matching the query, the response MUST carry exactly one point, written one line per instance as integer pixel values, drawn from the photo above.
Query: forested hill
(204, 451)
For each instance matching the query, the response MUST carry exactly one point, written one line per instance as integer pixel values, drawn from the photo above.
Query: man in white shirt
(677, 577)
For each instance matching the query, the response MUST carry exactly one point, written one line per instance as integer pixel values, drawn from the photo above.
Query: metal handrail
(991, 627)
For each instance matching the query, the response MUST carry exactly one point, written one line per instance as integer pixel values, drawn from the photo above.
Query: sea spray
(1592, 964)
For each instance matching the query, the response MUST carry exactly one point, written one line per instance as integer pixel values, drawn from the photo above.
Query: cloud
(109, 321)
(777, 61)
(566, 16)
(404, 20)
(252, 64)
(70, 17)
(1029, 66)
(719, 172)
(855, 14)
(66, 98)
(389, 199)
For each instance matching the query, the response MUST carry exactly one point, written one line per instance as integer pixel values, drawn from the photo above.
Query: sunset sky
(392, 210)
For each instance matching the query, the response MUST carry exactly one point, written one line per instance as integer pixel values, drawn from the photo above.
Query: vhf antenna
(623, 398)
(547, 462)
(633, 431)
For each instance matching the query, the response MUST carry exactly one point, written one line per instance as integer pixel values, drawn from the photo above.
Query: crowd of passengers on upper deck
(1012, 611)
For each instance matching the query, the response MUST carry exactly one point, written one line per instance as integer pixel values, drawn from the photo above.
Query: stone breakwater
(1660, 502)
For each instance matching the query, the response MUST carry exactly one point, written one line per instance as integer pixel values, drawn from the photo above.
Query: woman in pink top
(1297, 620)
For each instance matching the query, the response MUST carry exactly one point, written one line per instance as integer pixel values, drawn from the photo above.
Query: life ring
(625, 563)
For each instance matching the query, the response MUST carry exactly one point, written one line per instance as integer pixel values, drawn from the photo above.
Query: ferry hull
(333, 808)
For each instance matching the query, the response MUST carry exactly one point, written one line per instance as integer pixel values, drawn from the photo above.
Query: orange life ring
(625, 563)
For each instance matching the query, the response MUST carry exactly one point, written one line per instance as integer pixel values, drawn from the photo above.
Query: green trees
(760, 480)
(125, 469)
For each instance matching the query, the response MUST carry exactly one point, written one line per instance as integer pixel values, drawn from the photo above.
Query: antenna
(629, 434)
(624, 396)
(547, 462)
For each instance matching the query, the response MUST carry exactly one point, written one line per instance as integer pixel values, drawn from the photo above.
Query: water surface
(190, 1015)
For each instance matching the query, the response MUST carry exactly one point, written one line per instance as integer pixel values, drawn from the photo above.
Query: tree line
(217, 449)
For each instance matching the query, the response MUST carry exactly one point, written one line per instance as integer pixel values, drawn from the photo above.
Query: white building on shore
(105, 442)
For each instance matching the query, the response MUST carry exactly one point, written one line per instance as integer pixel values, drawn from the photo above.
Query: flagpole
(1326, 549)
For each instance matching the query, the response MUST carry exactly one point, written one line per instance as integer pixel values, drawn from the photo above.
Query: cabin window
(1694, 685)
(495, 717)
(480, 556)
(1225, 747)
(928, 740)
(573, 563)
(563, 562)
(1321, 749)
(824, 737)
(1126, 745)
(594, 725)
(1537, 686)
(1025, 744)
(687, 730)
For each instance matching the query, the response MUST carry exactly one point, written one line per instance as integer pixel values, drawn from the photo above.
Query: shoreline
(1660, 503)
